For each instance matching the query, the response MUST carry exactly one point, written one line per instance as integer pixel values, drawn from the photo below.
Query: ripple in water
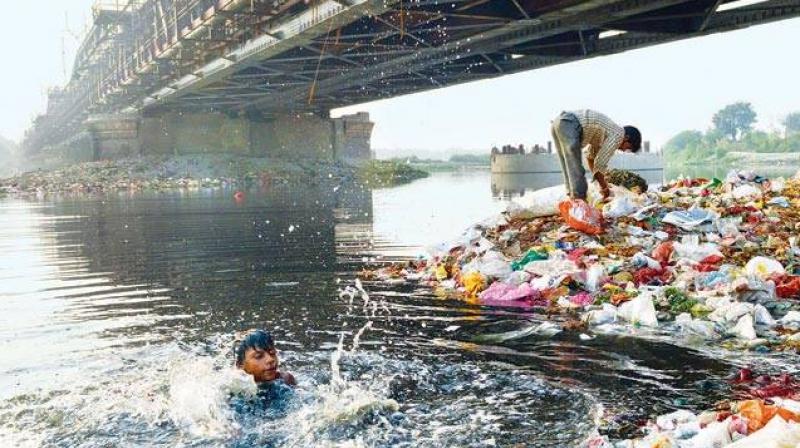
(188, 395)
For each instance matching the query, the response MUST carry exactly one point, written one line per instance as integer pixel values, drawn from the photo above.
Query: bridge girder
(297, 57)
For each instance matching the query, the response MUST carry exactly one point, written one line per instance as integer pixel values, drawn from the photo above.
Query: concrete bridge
(260, 76)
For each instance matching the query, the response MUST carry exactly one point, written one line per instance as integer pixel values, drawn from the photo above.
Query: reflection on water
(719, 171)
(511, 185)
(113, 310)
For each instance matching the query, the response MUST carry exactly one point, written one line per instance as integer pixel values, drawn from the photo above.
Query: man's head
(256, 355)
(632, 142)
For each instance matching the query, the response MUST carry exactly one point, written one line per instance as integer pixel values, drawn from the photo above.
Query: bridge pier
(345, 139)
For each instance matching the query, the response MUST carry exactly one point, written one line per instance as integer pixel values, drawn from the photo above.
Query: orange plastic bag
(759, 414)
(579, 215)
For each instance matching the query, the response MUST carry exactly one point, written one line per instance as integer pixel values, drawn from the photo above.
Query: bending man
(574, 131)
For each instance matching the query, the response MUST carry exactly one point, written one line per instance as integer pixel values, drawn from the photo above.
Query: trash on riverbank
(709, 260)
(627, 179)
(173, 172)
(763, 412)
(387, 173)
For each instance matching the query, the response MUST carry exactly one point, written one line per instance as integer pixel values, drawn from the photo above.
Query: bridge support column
(351, 136)
(304, 136)
(114, 136)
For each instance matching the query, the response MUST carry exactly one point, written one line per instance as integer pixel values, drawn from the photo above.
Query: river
(118, 315)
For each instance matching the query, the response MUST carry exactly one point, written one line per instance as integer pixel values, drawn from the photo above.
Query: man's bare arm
(601, 179)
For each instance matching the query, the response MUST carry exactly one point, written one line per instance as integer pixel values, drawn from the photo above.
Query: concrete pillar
(114, 136)
(352, 135)
(289, 136)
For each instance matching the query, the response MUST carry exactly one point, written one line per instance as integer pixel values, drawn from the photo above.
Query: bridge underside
(262, 59)
(420, 45)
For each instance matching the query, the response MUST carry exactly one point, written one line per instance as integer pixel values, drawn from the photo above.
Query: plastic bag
(786, 286)
(531, 255)
(579, 215)
(697, 327)
(762, 316)
(744, 328)
(689, 219)
(759, 414)
(692, 250)
(594, 275)
(778, 433)
(715, 435)
(780, 201)
(619, 206)
(763, 267)
(582, 298)
(491, 264)
(503, 292)
(474, 283)
(542, 202)
(663, 252)
(639, 311)
(606, 315)
(777, 185)
(746, 191)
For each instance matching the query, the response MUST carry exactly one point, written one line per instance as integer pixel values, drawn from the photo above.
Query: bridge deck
(268, 56)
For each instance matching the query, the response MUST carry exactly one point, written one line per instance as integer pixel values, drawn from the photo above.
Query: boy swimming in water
(256, 355)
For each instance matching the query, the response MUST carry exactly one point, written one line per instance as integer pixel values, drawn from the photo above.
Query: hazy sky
(662, 89)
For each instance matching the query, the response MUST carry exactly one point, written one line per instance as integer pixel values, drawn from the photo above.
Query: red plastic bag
(581, 216)
(663, 252)
(710, 263)
(649, 276)
(786, 286)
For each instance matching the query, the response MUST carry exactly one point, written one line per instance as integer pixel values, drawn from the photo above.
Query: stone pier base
(344, 139)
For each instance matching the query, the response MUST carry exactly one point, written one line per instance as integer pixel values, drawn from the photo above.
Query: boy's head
(256, 355)
(632, 142)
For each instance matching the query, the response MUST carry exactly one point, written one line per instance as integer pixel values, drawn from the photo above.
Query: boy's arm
(288, 378)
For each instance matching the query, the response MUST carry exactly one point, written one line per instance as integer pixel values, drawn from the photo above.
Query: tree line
(732, 132)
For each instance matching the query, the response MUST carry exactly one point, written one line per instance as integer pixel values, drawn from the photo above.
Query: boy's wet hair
(634, 137)
(255, 339)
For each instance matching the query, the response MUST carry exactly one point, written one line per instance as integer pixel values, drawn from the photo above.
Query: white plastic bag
(689, 219)
(695, 251)
(594, 275)
(606, 315)
(619, 206)
(639, 310)
(762, 317)
(763, 267)
(778, 433)
(715, 435)
(491, 264)
(544, 202)
(697, 327)
(777, 185)
(746, 191)
(744, 328)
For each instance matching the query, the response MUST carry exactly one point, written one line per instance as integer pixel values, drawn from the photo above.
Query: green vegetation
(627, 179)
(386, 173)
(732, 140)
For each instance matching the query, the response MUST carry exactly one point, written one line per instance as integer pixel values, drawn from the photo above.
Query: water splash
(199, 396)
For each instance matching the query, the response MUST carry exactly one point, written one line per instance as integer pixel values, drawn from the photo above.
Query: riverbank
(703, 265)
(197, 171)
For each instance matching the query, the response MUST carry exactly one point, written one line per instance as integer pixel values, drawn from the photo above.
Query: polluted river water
(118, 315)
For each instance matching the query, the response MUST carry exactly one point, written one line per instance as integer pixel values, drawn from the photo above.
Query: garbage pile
(171, 172)
(627, 179)
(764, 412)
(709, 260)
